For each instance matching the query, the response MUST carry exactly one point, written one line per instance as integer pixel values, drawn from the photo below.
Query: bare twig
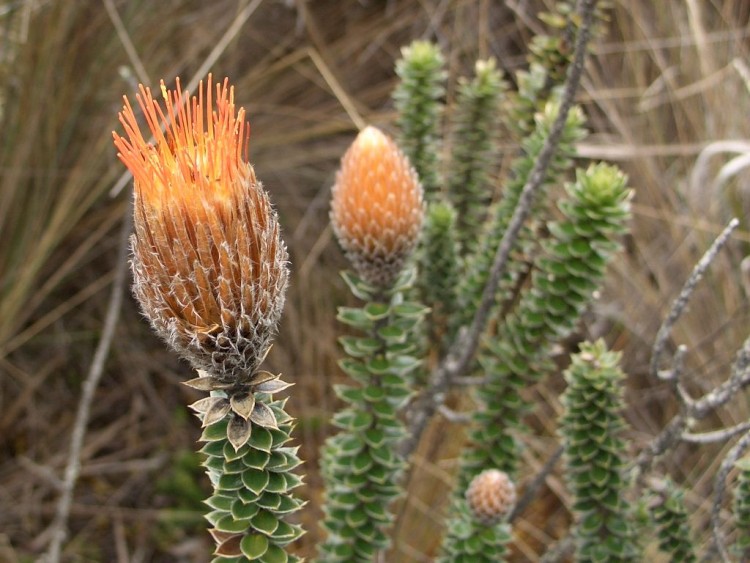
(58, 528)
(720, 484)
(532, 488)
(679, 305)
(717, 435)
(454, 416)
(678, 365)
(469, 381)
(739, 378)
(690, 410)
(674, 432)
(464, 348)
(127, 43)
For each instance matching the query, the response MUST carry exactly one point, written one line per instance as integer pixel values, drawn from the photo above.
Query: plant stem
(58, 528)
(463, 352)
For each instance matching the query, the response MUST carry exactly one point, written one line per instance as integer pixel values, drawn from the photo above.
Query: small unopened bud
(210, 268)
(491, 496)
(377, 208)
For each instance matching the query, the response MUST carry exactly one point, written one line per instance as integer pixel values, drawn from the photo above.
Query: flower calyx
(239, 401)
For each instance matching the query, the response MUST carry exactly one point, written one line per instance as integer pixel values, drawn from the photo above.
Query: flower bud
(491, 496)
(210, 268)
(377, 208)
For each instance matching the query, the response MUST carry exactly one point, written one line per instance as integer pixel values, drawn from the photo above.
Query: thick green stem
(439, 267)
(569, 270)
(596, 455)
(671, 518)
(360, 464)
(480, 263)
(475, 129)
(252, 489)
(419, 105)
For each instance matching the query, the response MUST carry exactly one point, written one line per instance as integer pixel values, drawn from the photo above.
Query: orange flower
(377, 208)
(209, 265)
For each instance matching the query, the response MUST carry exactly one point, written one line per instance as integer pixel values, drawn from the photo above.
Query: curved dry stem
(679, 304)
(58, 529)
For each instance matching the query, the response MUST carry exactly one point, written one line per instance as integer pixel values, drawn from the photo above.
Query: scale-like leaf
(207, 383)
(254, 546)
(272, 386)
(239, 432)
(243, 404)
(217, 410)
(261, 376)
(230, 547)
(263, 416)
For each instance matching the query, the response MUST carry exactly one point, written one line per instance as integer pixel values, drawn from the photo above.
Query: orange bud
(209, 264)
(491, 496)
(377, 208)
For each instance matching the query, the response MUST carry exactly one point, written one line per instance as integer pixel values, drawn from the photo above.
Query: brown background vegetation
(660, 86)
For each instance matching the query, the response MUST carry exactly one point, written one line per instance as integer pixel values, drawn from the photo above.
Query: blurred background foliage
(664, 83)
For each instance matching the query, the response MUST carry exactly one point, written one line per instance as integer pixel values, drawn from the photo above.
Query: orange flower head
(491, 496)
(377, 208)
(210, 269)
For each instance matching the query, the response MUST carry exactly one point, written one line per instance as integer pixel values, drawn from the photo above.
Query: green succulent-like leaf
(243, 511)
(358, 286)
(354, 317)
(410, 309)
(254, 546)
(392, 334)
(376, 311)
(373, 394)
(275, 554)
(220, 502)
(255, 480)
(228, 524)
(261, 439)
(277, 483)
(216, 431)
(269, 501)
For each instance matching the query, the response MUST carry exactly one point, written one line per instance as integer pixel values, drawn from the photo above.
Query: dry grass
(660, 87)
